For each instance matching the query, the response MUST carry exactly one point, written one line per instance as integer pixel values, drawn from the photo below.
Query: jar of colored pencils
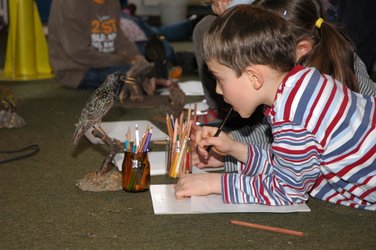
(136, 172)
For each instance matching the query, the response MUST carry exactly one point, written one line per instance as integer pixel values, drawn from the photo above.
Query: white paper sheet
(119, 129)
(190, 88)
(164, 202)
(157, 161)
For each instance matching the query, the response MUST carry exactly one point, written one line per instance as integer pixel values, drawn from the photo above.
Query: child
(323, 133)
(216, 104)
(324, 48)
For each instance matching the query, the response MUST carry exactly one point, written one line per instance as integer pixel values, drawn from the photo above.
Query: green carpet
(41, 208)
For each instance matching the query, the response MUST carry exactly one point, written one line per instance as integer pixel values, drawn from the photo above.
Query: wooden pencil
(195, 113)
(267, 228)
(169, 126)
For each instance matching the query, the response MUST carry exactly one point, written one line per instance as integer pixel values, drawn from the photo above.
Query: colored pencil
(137, 136)
(267, 228)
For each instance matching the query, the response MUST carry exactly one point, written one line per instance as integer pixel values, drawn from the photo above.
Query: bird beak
(130, 80)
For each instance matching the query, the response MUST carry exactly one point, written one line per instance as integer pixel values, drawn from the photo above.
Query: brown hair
(332, 52)
(246, 35)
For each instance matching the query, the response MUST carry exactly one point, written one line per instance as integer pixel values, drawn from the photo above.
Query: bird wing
(92, 113)
(99, 103)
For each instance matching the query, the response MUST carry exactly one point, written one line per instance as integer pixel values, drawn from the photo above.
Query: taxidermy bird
(7, 99)
(100, 103)
(125, 85)
(8, 116)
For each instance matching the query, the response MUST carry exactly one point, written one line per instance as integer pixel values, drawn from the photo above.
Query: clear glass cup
(179, 158)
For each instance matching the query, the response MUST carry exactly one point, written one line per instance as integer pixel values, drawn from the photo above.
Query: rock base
(94, 182)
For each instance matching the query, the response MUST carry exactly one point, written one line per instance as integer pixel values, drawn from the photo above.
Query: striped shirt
(260, 134)
(324, 143)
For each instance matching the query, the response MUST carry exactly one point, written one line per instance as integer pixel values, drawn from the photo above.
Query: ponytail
(333, 54)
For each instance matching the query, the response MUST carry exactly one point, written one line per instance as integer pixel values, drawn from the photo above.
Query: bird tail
(77, 135)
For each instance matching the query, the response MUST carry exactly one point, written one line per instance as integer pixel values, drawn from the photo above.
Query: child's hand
(198, 185)
(214, 160)
(223, 144)
(198, 137)
(195, 135)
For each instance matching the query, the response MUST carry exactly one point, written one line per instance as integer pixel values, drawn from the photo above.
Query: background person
(86, 43)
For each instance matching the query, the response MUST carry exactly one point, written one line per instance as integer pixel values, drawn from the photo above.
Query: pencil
(128, 148)
(220, 129)
(195, 113)
(147, 141)
(267, 228)
(137, 134)
(169, 126)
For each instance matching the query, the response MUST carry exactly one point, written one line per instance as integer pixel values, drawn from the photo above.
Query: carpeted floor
(41, 208)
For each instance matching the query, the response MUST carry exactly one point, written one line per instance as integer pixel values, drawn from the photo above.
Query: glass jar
(179, 159)
(136, 172)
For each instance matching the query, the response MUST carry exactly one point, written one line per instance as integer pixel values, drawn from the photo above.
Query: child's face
(237, 91)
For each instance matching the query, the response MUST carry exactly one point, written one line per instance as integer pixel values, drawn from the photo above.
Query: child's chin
(244, 116)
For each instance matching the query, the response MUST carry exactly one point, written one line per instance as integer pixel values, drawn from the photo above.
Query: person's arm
(259, 134)
(282, 175)
(367, 86)
(219, 6)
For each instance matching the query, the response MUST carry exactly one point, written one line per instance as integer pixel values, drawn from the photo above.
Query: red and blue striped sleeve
(282, 175)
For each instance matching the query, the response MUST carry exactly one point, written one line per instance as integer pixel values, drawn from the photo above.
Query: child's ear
(255, 78)
(303, 48)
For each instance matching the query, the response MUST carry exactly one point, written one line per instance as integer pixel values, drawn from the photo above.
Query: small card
(190, 88)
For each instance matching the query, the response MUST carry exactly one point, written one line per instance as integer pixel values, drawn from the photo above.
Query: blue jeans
(95, 77)
(180, 31)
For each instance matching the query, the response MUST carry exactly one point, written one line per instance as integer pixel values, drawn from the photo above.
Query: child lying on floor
(323, 133)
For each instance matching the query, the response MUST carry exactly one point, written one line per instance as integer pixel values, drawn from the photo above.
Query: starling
(8, 116)
(7, 99)
(100, 103)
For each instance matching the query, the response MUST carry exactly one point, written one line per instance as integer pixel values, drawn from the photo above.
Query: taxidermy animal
(104, 97)
(140, 74)
(8, 115)
(99, 104)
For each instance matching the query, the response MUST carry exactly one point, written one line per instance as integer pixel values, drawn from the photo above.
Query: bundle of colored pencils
(138, 145)
(179, 152)
(136, 166)
(136, 172)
